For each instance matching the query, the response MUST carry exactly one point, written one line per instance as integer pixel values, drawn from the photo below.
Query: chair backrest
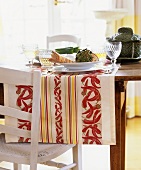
(18, 77)
(64, 38)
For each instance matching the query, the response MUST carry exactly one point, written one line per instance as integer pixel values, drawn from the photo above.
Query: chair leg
(17, 166)
(77, 156)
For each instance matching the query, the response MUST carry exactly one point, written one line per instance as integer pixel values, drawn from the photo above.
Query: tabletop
(129, 72)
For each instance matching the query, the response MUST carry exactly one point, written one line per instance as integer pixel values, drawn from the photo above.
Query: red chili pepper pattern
(24, 102)
(58, 109)
(91, 117)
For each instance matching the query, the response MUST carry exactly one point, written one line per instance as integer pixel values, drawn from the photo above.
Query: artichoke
(84, 56)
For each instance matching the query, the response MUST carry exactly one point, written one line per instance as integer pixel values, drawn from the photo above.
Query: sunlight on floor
(1, 121)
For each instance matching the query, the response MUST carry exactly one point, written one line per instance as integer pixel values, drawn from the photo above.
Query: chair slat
(12, 112)
(4, 169)
(15, 131)
(19, 78)
(63, 38)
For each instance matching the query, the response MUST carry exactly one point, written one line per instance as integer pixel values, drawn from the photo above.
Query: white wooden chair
(66, 39)
(33, 152)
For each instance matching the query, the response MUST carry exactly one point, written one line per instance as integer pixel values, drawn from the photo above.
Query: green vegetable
(67, 50)
(76, 49)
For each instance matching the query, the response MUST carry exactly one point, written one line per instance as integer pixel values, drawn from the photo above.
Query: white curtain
(22, 21)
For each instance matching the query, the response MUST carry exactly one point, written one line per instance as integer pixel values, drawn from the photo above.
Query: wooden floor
(97, 157)
(133, 144)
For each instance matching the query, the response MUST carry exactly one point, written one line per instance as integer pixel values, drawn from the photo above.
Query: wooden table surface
(127, 72)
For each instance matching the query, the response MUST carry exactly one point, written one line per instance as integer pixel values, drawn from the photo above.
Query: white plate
(65, 70)
(80, 65)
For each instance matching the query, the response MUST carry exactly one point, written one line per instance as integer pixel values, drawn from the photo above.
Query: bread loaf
(59, 59)
(95, 57)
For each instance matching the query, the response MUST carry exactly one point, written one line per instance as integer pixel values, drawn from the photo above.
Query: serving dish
(128, 60)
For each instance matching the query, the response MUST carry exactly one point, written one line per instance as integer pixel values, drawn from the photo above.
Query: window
(31, 20)
(23, 21)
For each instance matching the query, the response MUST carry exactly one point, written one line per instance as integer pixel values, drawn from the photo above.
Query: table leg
(115, 150)
(123, 132)
(1, 97)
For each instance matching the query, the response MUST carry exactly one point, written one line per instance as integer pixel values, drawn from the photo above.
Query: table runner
(75, 108)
